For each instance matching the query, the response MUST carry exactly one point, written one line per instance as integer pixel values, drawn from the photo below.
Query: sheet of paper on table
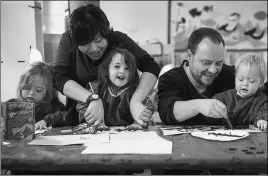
(167, 131)
(132, 143)
(70, 139)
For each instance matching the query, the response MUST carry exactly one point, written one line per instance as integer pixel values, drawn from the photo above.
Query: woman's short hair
(86, 22)
(252, 60)
(35, 71)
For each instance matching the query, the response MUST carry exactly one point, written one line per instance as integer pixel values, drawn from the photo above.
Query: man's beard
(200, 79)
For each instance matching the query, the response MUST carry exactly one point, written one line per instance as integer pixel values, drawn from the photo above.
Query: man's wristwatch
(92, 97)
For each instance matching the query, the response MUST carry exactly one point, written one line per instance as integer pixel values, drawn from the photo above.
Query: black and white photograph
(99, 87)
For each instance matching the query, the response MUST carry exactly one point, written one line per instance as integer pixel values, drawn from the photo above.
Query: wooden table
(248, 154)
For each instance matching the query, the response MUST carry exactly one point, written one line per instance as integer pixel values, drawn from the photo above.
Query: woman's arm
(65, 75)
(64, 71)
(147, 82)
(138, 110)
(75, 91)
(150, 71)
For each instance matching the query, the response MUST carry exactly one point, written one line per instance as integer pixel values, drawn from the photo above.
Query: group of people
(96, 68)
(203, 90)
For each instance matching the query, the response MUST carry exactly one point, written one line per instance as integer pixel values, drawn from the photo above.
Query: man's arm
(169, 92)
(208, 107)
(184, 110)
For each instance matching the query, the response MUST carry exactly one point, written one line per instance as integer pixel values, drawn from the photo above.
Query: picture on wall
(243, 24)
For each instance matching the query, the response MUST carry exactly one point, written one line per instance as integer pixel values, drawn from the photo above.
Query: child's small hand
(262, 124)
(41, 125)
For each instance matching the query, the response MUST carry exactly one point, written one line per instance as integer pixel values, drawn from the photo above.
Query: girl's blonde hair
(34, 71)
(252, 60)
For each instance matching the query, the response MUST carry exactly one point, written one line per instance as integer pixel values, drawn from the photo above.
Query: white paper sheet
(131, 147)
(69, 139)
(132, 143)
(137, 135)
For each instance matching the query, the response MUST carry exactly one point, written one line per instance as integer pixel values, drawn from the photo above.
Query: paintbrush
(225, 117)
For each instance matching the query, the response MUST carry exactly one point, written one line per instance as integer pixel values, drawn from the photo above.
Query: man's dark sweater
(174, 85)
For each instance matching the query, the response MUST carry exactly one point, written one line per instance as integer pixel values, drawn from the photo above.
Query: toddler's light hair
(252, 60)
(34, 71)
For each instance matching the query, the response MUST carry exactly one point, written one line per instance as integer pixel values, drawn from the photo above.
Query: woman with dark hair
(118, 79)
(79, 55)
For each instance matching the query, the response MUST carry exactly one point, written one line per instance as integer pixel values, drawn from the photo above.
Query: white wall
(39, 27)
(54, 17)
(17, 35)
(141, 20)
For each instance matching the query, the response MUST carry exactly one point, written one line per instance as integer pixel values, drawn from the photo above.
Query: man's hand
(41, 125)
(213, 108)
(94, 113)
(262, 124)
(140, 113)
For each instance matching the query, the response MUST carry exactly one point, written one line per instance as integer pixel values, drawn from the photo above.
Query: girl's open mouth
(120, 77)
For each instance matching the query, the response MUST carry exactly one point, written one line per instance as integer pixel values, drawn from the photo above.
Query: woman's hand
(140, 113)
(41, 125)
(94, 113)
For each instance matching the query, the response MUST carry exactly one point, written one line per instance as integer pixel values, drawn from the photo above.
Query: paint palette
(188, 129)
(221, 135)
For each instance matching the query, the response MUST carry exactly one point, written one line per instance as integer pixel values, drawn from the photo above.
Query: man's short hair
(199, 34)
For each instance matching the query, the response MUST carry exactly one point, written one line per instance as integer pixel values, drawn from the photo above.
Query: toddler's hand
(262, 124)
(41, 125)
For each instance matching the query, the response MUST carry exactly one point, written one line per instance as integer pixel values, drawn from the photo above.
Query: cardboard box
(18, 121)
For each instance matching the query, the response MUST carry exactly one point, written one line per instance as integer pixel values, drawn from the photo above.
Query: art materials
(225, 117)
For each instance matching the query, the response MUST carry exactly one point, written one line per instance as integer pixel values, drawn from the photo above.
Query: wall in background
(141, 20)
(18, 34)
(39, 27)
(53, 26)
(55, 21)
(53, 16)
(243, 24)
(74, 4)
